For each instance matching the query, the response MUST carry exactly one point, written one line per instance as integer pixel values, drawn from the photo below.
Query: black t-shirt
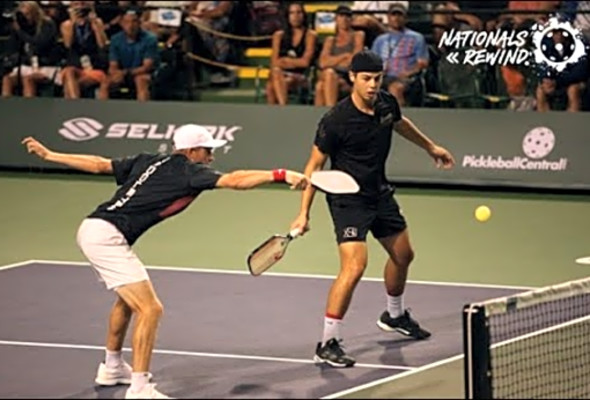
(152, 188)
(359, 143)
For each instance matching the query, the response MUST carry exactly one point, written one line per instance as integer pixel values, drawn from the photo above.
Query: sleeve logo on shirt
(386, 119)
(350, 232)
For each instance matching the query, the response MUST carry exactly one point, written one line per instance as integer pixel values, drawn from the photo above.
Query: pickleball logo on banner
(81, 129)
(538, 143)
(537, 146)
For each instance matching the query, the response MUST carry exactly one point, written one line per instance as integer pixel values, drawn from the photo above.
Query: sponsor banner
(491, 147)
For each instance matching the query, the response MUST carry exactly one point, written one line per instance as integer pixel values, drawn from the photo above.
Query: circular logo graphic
(538, 142)
(557, 44)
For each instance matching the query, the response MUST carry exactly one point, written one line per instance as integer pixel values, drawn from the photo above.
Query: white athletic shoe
(120, 375)
(149, 392)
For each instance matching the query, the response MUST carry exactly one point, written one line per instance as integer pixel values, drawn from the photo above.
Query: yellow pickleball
(483, 213)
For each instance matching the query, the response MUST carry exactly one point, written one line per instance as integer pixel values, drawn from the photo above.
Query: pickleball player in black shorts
(356, 135)
(151, 189)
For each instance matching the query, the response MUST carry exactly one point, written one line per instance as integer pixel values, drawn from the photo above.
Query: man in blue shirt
(133, 57)
(403, 52)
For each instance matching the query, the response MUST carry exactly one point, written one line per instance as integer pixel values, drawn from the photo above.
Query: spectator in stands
(133, 57)
(404, 54)
(442, 76)
(56, 10)
(293, 52)
(85, 39)
(111, 11)
(208, 17)
(169, 33)
(33, 53)
(374, 21)
(335, 58)
(568, 83)
(582, 19)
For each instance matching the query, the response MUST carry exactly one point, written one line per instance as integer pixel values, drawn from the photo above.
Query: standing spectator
(335, 58)
(32, 51)
(404, 54)
(293, 51)
(133, 57)
(85, 39)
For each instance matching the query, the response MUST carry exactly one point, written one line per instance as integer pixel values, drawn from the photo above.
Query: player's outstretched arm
(249, 179)
(442, 157)
(87, 163)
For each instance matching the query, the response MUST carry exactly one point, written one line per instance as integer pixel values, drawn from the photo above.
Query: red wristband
(279, 175)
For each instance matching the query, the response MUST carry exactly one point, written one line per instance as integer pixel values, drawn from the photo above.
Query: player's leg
(114, 370)
(390, 229)
(351, 226)
(117, 265)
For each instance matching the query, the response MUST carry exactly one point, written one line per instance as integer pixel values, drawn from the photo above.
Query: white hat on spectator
(192, 136)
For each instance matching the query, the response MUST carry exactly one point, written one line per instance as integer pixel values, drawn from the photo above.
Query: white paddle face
(335, 182)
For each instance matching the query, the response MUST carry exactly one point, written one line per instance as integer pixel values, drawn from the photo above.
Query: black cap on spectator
(366, 61)
(398, 7)
(343, 10)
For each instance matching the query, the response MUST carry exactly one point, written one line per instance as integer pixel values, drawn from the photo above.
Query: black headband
(366, 61)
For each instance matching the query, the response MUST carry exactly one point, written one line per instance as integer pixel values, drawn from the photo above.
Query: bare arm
(82, 162)
(408, 130)
(442, 157)
(326, 59)
(99, 32)
(249, 179)
(67, 33)
(276, 47)
(305, 60)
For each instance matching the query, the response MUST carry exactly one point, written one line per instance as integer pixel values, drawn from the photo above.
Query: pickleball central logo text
(537, 146)
(554, 44)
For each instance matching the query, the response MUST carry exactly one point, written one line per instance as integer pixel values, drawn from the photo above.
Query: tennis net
(531, 345)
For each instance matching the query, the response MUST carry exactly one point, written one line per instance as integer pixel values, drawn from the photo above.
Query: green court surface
(530, 240)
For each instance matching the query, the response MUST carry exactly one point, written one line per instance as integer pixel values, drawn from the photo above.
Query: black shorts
(354, 218)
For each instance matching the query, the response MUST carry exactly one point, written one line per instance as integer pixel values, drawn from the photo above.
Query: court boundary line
(73, 346)
(289, 275)
(16, 265)
(388, 379)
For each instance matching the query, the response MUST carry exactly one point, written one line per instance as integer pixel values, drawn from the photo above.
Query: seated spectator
(170, 34)
(335, 59)
(569, 83)
(213, 15)
(133, 57)
(374, 21)
(110, 12)
(85, 39)
(32, 53)
(56, 10)
(293, 51)
(404, 54)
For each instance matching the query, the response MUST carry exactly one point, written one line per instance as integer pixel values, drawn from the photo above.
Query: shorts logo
(350, 232)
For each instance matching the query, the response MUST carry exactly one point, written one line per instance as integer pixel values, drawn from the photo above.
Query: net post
(476, 347)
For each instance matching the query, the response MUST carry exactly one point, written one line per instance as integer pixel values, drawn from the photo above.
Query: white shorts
(50, 73)
(111, 257)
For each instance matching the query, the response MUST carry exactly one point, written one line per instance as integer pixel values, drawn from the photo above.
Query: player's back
(152, 188)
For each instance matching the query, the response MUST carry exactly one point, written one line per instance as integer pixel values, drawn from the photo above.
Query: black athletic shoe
(333, 354)
(403, 324)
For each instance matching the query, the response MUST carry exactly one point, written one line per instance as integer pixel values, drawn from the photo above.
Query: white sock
(113, 359)
(331, 329)
(138, 381)
(395, 305)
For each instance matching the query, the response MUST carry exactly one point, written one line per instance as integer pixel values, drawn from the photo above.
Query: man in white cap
(152, 187)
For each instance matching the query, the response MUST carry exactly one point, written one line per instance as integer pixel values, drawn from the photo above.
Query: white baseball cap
(191, 136)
